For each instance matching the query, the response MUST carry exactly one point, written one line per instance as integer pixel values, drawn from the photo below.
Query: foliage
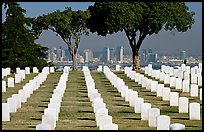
(138, 20)
(68, 24)
(18, 46)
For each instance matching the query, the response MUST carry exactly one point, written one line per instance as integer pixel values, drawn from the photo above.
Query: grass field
(76, 112)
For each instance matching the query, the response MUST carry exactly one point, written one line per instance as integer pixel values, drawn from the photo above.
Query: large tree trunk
(74, 60)
(135, 59)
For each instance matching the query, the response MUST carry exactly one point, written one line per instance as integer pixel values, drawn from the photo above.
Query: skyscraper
(88, 55)
(106, 55)
(112, 55)
(119, 54)
(182, 55)
(144, 55)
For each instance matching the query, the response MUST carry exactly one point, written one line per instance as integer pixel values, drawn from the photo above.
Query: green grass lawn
(76, 112)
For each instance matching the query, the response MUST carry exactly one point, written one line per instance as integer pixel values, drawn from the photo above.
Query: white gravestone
(160, 88)
(186, 76)
(27, 70)
(12, 105)
(3, 86)
(165, 93)
(194, 111)
(154, 86)
(163, 122)
(17, 78)
(138, 102)
(152, 115)
(178, 83)
(144, 110)
(18, 70)
(194, 90)
(5, 112)
(10, 82)
(43, 127)
(166, 79)
(194, 79)
(47, 119)
(199, 80)
(177, 126)
(174, 98)
(117, 68)
(52, 70)
(111, 126)
(183, 104)
(185, 86)
(172, 81)
(200, 93)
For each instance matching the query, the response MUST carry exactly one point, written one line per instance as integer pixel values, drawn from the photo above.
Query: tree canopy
(68, 24)
(138, 20)
(18, 46)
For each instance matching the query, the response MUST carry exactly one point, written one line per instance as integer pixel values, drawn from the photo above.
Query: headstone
(166, 93)
(183, 104)
(18, 70)
(186, 76)
(5, 112)
(178, 83)
(163, 122)
(52, 70)
(12, 105)
(107, 119)
(200, 93)
(177, 126)
(10, 82)
(17, 78)
(166, 79)
(27, 70)
(160, 88)
(154, 86)
(194, 111)
(47, 119)
(35, 70)
(3, 86)
(194, 90)
(152, 116)
(194, 79)
(133, 97)
(199, 80)
(117, 68)
(43, 127)
(138, 102)
(176, 73)
(144, 110)
(172, 81)
(174, 98)
(185, 86)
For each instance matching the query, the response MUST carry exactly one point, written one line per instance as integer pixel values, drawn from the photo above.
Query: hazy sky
(162, 43)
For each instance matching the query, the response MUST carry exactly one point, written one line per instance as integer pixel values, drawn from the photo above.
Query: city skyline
(162, 43)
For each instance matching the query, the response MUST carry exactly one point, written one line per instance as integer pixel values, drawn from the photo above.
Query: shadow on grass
(133, 118)
(44, 106)
(32, 126)
(182, 118)
(37, 119)
(85, 111)
(86, 126)
(85, 118)
(124, 105)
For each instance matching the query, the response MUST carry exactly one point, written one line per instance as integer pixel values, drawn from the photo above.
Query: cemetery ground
(76, 112)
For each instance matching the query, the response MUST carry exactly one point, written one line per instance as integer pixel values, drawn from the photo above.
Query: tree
(138, 20)
(18, 46)
(68, 24)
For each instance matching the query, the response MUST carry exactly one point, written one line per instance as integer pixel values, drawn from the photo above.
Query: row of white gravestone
(178, 83)
(14, 102)
(103, 120)
(147, 113)
(51, 114)
(174, 99)
(163, 75)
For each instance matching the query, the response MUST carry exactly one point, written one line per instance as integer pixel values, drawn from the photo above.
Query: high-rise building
(112, 55)
(182, 55)
(150, 51)
(106, 55)
(119, 54)
(144, 55)
(152, 57)
(88, 55)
